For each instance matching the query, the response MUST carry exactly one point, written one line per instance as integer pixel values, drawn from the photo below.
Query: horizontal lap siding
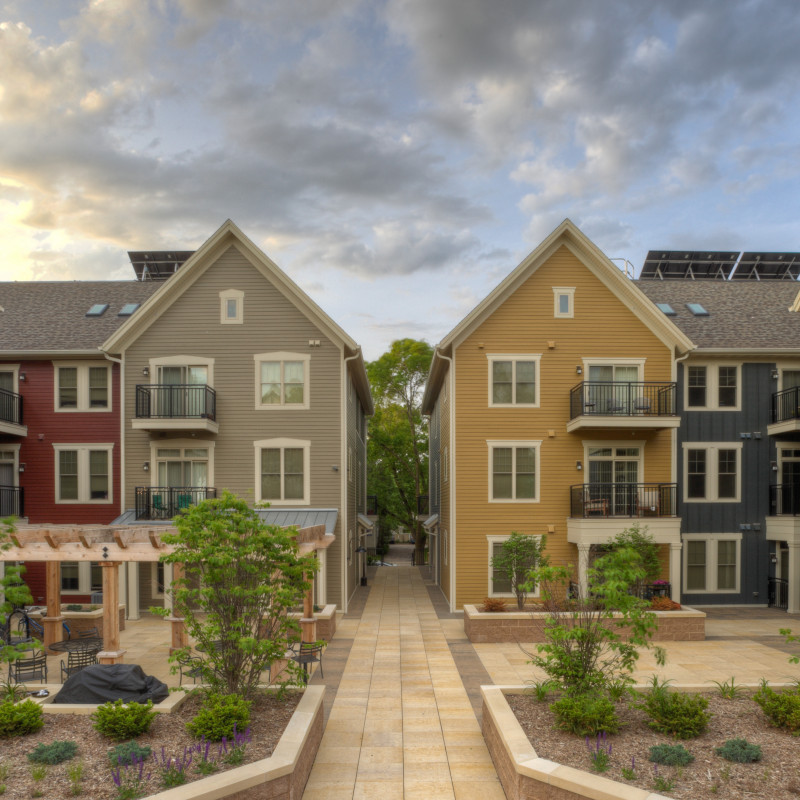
(603, 327)
(191, 326)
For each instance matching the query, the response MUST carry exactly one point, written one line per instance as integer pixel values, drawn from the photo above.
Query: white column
(169, 576)
(675, 570)
(322, 579)
(133, 590)
(583, 568)
(794, 578)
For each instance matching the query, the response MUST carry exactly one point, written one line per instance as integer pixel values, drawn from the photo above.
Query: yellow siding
(445, 521)
(602, 327)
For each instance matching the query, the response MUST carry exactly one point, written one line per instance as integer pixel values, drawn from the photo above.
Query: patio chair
(305, 653)
(76, 661)
(642, 405)
(29, 669)
(190, 667)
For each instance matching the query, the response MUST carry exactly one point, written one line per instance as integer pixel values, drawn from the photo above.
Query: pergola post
(53, 631)
(111, 654)
(179, 638)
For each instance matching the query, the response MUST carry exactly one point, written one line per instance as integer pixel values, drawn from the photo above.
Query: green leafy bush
(20, 719)
(128, 752)
(671, 755)
(740, 751)
(55, 753)
(74, 607)
(781, 709)
(120, 720)
(218, 715)
(683, 716)
(585, 714)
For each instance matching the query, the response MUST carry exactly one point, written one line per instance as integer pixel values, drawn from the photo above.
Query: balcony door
(613, 475)
(181, 478)
(9, 504)
(789, 499)
(607, 392)
(182, 400)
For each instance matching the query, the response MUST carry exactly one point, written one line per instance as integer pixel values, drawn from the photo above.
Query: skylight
(128, 309)
(697, 309)
(97, 310)
(667, 309)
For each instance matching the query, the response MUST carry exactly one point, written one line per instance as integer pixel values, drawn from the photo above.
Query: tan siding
(603, 327)
(445, 517)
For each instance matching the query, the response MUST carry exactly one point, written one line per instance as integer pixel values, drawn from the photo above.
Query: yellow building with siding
(555, 413)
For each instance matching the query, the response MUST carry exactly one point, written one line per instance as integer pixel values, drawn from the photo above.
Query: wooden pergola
(111, 546)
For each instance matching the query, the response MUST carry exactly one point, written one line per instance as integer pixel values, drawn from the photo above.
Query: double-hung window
(712, 471)
(499, 581)
(712, 562)
(513, 380)
(83, 473)
(282, 471)
(514, 471)
(712, 387)
(82, 387)
(282, 380)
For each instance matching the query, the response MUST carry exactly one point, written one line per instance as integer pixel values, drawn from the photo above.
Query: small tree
(593, 642)
(14, 593)
(519, 554)
(241, 579)
(647, 554)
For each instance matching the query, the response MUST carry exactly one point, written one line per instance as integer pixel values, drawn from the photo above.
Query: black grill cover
(102, 682)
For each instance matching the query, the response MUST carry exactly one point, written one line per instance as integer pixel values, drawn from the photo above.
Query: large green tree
(397, 448)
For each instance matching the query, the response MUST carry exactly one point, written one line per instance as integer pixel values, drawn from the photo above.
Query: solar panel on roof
(768, 266)
(688, 265)
(97, 310)
(158, 265)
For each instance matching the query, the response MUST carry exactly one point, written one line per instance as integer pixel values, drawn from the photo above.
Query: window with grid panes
(726, 565)
(726, 474)
(727, 387)
(68, 387)
(513, 473)
(695, 565)
(697, 386)
(696, 483)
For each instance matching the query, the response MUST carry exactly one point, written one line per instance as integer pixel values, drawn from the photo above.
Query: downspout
(343, 479)
(676, 553)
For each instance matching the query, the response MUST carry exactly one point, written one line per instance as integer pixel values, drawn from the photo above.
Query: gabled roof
(742, 315)
(567, 234)
(226, 236)
(49, 317)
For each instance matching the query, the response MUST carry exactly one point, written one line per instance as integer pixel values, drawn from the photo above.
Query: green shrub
(781, 709)
(74, 607)
(671, 755)
(55, 753)
(128, 752)
(585, 714)
(740, 751)
(218, 715)
(683, 716)
(120, 720)
(20, 719)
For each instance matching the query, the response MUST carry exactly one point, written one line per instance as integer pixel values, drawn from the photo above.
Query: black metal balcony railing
(777, 593)
(786, 404)
(12, 501)
(372, 505)
(423, 505)
(176, 401)
(612, 398)
(165, 502)
(590, 500)
(10, 407)
(784, 499)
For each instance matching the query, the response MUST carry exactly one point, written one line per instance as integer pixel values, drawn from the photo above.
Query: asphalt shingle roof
(742, 314)
(51, 315)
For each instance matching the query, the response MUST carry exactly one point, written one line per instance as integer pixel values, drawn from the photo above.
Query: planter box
(686, 625)
(524, 775)
(83, 620)
(326, 621)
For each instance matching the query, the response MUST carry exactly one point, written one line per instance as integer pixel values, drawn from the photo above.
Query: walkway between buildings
(401, 724)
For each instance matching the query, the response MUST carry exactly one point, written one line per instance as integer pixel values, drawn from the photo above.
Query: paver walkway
(401, 725)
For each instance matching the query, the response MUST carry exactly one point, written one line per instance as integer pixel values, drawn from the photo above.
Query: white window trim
(14, 370)
(175, 444)
(231, 294)
(514, 357)
(14, 449)
(492, 540)
(559, 291)
(84, 579)
(83, 472)
(614, 362)
(281, 444)
(536, 445)
(712, 470)
(182, 361)
(83, 387)
(781, 366)
(711, 561)
(712, 386)
(614, 444)
(282, 356)
(445, 465)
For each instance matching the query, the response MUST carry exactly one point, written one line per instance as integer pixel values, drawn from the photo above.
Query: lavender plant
(173, 769)
(629, 773)
(600, 753)
(233, 750)
(131, 779)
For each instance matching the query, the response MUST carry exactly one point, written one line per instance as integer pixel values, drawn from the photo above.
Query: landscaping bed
(269, 718)
(776, 776)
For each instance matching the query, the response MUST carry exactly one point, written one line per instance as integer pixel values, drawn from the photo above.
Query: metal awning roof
(431, 522)
(302, 517)
(365, 522)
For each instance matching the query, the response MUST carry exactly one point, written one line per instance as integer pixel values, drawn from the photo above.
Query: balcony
(12, 501)
(785, 413)
(598, 511)
(11, 414)
(176, 407)
(166, 502)
(622, 405)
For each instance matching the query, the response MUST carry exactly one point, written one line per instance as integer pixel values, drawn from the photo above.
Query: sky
(397, 158)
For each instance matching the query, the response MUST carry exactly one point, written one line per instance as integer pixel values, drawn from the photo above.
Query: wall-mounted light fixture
(146, 372)
(23, 376)
(146, 466)
(335, 468)
(579, 370)
(22, 468)
(774, 559)
(774, 374)
(41, 437)
(774, 465)
(578, 465)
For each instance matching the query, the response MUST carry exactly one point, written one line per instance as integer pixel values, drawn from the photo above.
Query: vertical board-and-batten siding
(191, 326)
(602, 327)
